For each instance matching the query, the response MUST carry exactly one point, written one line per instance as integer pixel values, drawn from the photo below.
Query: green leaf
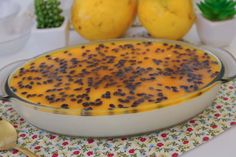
(228, 15)
(217, 10)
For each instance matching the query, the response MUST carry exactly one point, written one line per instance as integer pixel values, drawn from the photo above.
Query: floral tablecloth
(174, 141)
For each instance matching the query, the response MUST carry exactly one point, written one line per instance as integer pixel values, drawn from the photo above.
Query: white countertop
(222, 145)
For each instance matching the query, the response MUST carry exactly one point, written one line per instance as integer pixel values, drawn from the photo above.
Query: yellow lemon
(102, 19)
(170, 19)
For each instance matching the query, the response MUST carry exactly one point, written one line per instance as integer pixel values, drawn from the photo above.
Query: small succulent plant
(48, 13)
(217, 10)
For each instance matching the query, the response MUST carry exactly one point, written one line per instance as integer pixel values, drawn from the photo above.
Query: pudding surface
(114, 75)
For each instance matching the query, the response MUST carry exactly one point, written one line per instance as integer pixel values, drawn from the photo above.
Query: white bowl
(15, 28)
(8, 12)
(15, 44)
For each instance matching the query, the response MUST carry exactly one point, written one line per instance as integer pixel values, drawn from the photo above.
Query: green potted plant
(216, 24)
(51, 29)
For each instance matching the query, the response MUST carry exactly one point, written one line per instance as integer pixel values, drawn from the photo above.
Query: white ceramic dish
(127, 123)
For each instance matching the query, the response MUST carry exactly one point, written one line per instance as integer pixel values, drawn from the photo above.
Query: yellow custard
(114, 75)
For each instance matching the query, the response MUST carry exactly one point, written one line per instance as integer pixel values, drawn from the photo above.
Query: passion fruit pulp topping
(114, 75)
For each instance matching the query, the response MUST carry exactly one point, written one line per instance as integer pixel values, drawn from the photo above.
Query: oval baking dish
(116, 88)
